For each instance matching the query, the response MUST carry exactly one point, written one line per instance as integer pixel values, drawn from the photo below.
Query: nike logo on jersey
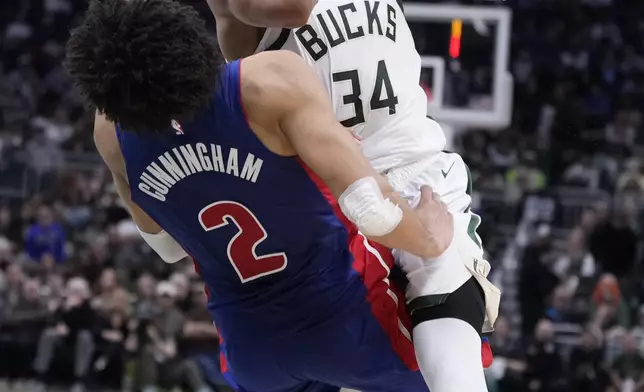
(445, 173)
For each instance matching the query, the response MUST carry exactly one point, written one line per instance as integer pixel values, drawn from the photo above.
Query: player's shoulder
(271, 66)
(273, 85)
(104, 135)
(274, 73)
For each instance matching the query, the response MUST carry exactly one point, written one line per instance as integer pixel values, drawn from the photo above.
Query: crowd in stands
(570, 169)
(84, 302)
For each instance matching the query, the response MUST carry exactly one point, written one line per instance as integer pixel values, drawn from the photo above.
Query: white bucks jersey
(364, 53)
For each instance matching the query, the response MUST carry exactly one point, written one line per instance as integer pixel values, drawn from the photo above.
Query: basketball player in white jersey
(364, 53)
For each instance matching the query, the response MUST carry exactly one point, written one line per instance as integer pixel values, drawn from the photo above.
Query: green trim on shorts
(475, 220)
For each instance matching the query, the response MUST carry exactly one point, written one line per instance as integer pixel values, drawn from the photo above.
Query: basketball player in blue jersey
(239, 165)
(364, 54)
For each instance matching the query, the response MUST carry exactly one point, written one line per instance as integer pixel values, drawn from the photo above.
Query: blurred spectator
(502, 153)
(586, 365)
(44, 159)
(55, 128)
(14, 279)
(19, 331)
(114, 338)
(561, 310)
(621, 132)
(627, 372)
(182, 287)
(576, 266)
(200, 340)
(536, 280)
(145, 305)
(71, 333)
(108, 291)
(10, 224)
(160, 362)
(632, 176)
(587, 223)
(545, 371)
(609, 308)
(526, 177)
(53, 291)
(638, 329)
(614, 245)
(506, 373)
(45, 240)
(582, 173)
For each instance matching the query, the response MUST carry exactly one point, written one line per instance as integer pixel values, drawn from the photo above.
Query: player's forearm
(107, 146)
(273, 13)
(236, 38)
(140, 218)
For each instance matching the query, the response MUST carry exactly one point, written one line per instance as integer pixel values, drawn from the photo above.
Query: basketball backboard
(465, 55)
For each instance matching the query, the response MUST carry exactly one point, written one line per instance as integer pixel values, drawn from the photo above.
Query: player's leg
(311, 386)
(448, 341)
(263, 369)
(367, 347)
(446, 303)
(253, 368)
(371, 351)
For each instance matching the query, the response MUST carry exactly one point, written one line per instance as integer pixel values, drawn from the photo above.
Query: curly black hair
(144, 63)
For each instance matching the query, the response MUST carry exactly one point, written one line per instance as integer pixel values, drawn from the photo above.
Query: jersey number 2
(377, 102)
(242, 247)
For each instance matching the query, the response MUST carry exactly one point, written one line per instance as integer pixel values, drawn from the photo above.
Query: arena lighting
(455, 39)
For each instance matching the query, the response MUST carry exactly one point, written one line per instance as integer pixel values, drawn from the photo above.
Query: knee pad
(467, 303)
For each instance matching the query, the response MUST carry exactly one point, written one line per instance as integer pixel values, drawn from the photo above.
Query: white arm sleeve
(165, 246)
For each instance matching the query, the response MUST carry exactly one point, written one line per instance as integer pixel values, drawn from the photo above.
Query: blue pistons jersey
(277, 257)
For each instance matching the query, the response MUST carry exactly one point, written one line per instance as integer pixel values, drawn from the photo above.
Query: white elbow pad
(364, 205)
(166, 247)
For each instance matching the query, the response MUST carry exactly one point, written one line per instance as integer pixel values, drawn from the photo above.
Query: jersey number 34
(377, 101)
(241, 249)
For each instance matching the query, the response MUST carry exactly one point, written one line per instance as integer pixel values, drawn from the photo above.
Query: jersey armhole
(280, 41)
(240, 96)
(265, 45)
(229, 92)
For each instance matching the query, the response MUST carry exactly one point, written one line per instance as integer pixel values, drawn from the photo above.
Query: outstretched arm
(284, 96)
(108, 148)
(273, 13)
(241, 23)
(107, 145)
(236, 38)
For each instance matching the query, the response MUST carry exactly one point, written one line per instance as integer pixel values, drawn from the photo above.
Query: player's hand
(436, 218)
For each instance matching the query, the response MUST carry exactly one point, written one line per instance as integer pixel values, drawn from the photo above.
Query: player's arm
(303, 115)
(236, 38)
(107, 145)
(269, 13)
